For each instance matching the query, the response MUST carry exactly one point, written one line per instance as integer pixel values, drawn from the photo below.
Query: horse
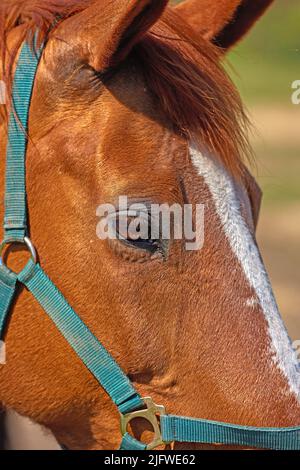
(131, 98)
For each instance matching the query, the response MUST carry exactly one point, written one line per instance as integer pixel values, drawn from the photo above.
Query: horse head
(131, 99)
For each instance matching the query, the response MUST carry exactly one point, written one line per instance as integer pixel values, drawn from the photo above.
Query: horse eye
(135, 229)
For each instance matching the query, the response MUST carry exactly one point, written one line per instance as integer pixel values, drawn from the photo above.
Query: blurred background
(263, 66)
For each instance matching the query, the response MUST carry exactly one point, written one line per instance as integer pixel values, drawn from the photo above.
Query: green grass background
(268, 59)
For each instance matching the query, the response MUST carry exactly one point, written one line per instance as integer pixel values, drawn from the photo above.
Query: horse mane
(182, 70)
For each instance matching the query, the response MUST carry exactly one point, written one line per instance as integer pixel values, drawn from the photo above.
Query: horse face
(198, 330)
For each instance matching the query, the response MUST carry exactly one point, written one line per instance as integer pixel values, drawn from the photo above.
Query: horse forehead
(138, 147)
(145, 171)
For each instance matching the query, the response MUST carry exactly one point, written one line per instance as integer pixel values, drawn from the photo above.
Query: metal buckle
(151, 414)
(27, 242)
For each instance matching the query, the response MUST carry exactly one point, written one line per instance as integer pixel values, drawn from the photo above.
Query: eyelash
(103, 75)
(152, 246)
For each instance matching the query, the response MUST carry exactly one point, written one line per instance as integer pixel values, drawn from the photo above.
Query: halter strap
(85, 344)
(167, 428)
(15, 220)
(180, 429)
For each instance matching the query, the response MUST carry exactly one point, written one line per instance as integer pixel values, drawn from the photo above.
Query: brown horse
(130, 99)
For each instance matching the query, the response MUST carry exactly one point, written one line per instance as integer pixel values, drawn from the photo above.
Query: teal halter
(167, 428)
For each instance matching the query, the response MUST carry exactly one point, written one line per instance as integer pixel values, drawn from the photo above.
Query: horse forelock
(182, 70)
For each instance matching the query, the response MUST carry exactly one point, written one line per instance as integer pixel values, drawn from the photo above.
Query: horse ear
(109, 29)
(223, 22)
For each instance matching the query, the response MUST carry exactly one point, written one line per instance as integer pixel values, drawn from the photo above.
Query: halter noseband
(167, 428)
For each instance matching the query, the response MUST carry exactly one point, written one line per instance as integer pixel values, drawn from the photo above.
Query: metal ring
(151, 413)
(26, 241)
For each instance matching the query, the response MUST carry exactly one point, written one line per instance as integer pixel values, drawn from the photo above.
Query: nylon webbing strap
(8, 282)
(180, 429)
(130, 443)
(81, 339)
(15, 220)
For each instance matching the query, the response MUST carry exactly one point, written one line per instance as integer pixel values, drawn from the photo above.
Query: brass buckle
(151, 414)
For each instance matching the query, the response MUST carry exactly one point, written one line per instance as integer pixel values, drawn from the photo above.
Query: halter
(167, 428)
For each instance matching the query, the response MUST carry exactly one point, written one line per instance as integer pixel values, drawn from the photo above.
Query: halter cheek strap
(167, 428)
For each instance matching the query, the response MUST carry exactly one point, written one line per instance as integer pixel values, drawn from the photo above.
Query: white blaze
(227, 205)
